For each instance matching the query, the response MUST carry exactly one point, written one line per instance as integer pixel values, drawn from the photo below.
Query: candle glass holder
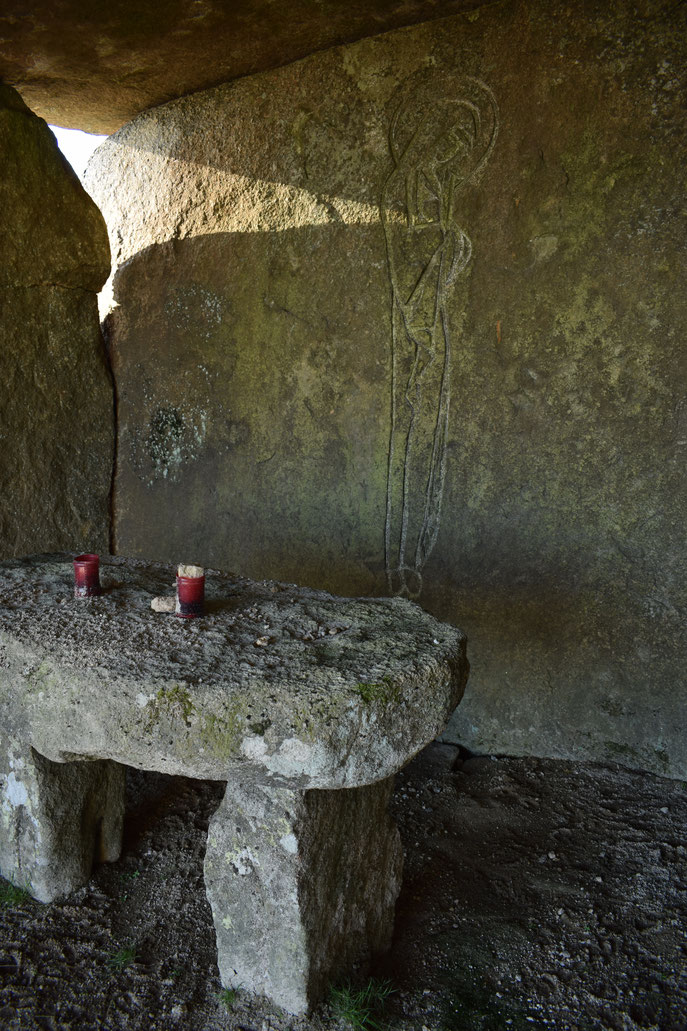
(86, 576)
(190, 596)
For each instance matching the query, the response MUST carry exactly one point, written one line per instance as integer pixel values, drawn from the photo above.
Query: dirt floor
(536, 894)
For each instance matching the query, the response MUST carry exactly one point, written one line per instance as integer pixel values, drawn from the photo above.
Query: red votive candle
(190, 592)
(86, 576)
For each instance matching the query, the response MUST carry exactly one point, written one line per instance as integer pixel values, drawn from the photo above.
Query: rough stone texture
(261, 298)
(95, 67)
(56, 410)
(55, 820)
(302, 886)
(276, 690)
(313, 691)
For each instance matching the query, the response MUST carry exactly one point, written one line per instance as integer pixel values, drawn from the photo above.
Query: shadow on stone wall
(256, 438)
(263, 290)
(56, 406)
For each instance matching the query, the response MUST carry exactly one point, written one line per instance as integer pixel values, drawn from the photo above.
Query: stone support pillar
(56, 819)
(302, 886)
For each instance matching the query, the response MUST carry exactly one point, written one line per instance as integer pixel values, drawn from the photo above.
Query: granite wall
(56, 397)
(408, 316)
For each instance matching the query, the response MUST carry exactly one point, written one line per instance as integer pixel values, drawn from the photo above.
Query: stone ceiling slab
(91, 65)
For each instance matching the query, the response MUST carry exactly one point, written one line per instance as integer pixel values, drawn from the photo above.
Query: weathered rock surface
(56, 410)
(340, 693)
(51, 234)
(95, 67)
(270, 341)
(56, 820)
(302, 886)
(275, 690)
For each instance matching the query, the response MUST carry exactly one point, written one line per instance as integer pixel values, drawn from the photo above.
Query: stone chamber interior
(399, 313)
(380, 298)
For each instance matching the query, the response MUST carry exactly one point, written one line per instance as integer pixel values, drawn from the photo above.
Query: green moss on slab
(383, 691)
(620, 751)
(174, 702)
(221, 735)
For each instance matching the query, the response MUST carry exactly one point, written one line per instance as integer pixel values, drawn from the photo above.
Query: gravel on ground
(537, 893)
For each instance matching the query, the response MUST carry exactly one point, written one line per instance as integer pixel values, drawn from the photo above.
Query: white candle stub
(163, 604)
(190, 571)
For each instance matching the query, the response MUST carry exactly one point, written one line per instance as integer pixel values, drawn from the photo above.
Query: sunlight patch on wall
(165, 198)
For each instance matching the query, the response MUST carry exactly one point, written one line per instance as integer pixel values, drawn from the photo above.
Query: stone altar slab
(304, 703)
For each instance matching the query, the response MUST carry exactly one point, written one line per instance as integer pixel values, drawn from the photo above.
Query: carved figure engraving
(440, 138)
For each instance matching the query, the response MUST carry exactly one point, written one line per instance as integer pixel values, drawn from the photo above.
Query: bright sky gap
(76, 146)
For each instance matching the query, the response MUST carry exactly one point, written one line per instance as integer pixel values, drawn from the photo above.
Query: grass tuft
(361, 1008)
(227, 997)
(122, 958)
(11, 895)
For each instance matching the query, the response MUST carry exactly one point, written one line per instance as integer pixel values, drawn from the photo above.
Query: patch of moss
(383, 691)
(619, 750)
(221, 734)
(611, 706)
(302, 722)
(37, 677)
(595, 187)
(175, 702)
(260, 728)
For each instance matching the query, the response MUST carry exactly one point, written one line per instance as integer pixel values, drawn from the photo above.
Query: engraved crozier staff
(440, 138)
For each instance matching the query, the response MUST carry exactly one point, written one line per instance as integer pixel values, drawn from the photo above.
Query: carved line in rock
(441, 135)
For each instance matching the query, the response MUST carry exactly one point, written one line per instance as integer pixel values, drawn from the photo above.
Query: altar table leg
(302, 886)
(56, 819)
